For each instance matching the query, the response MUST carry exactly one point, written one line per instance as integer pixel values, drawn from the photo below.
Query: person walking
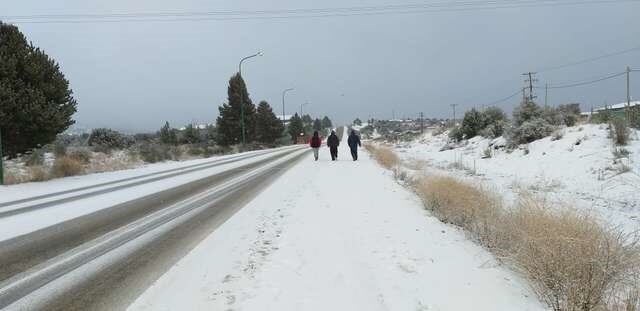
(315, 142)
(333, 142)
(354, 143)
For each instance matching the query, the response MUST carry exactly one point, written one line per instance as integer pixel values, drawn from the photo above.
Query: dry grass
(66, 166)
(573, 261)
(473, 208)
(385, 156)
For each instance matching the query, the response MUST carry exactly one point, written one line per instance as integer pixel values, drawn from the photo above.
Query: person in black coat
(354, 143)
(333, 142)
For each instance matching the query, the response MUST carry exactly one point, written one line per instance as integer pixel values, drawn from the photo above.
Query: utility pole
(546, 93)
(421, 123)
(531, 79)
(284, 123)
(454, 113)
(628, 111)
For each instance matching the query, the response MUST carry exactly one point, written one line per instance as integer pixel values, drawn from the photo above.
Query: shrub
(620, 131)
(619, 153)
(529, 131)
(81, 155)
(453, 201)
(472, 123)
(36, 157)
(66, 166)
(569, 113)
(152, 153)
(557, 135)
(105, 140)
(456, 134)
(38, 173)
(526, 111)
(383, 155)
(572, 260)
(59, 148)
(191, 135)
(552, 116)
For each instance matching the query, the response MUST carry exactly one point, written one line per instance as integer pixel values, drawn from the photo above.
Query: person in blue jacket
(354, 143)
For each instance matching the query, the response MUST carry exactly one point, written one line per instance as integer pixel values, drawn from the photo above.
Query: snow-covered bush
(105, 140)
(36, 157)
(529, 131)
(456, 133)
(152, 153)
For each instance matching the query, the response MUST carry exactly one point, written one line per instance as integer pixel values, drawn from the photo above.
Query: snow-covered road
(336, 236)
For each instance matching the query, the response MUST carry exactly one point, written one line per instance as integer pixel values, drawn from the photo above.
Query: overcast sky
(134, 76)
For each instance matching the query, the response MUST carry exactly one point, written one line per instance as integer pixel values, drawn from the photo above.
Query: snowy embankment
(34, 220)
(579, 169)
(337, 236)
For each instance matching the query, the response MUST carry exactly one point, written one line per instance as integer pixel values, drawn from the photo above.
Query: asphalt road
(104, 260)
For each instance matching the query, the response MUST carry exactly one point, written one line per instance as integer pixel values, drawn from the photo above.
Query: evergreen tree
(36, 101)
(357, 121)
(168, 135)
(317, 125)
(191, 135)
(229, 121)
(212, 134)
(472, 123)
(268, 126)
(307, 122)
(295, 127)
(326, 122)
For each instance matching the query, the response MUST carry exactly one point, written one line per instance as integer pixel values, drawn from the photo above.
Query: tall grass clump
(619, 131)
(66, 166)
(385, 156)
(573, 261)
(470, 207)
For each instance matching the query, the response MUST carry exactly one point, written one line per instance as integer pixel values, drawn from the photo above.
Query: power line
(588, 60)
(298, 13)
(611, 76)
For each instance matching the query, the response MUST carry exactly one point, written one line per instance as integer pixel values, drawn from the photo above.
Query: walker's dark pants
(334, 153)
(354, 153)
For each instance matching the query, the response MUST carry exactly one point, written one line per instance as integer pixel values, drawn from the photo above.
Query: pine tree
(326, 122)
(36, 102)
(357, 122)
(191, 135)
(295, 127)
(168, 135)
(229, 122)
(317, 125)
(268, 126)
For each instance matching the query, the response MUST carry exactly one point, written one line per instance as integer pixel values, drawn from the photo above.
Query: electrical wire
(563, 86)
(506, 98)
(588, 60)
(298, 13)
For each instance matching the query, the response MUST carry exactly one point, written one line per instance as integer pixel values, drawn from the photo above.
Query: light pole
(302, 105)
(242, 95)
(283, 93)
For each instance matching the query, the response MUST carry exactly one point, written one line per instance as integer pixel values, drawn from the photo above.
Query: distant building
(616, 110)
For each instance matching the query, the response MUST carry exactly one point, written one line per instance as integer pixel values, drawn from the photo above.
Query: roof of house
(618, 106)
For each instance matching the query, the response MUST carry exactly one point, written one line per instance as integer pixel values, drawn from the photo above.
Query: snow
(26, 190)
(28, 222)
(576, 170)
(619, 106)
(343, 236)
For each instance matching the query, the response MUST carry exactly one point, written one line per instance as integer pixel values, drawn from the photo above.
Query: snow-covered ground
(578, 169)
(337, 236)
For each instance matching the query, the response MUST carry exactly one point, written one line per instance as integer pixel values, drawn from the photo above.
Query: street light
(242, 93)
(283, 93)
(302, 105)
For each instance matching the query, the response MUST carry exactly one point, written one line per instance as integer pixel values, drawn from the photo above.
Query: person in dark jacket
(315, 142)
(333, 142)
(354, 143)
